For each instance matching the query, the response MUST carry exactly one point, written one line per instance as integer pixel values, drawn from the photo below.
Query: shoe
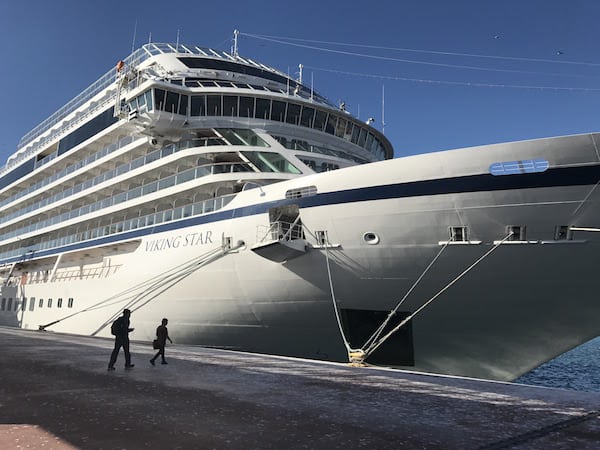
(152, 361)
(164, 362)
(129, 366)
(110, 368)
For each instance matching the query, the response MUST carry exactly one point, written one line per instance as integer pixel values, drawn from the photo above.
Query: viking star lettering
(187, 240)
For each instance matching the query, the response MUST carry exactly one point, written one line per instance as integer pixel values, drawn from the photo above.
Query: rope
(335, 308)
(378, 332)
(173, 275)
(375, 346)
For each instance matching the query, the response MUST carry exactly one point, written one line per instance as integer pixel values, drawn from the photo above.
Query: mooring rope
(377, 344)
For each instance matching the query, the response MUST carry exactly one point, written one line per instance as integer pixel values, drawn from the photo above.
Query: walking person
(120, 329)
(162, 334)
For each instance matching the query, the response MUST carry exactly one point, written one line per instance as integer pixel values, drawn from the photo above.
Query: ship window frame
(320, 119)
(308, 119)
(23, 303)
(214, 102)
(519, 167)
(278, 107)
(31, 303)
(296, 110)
(458, 233)
(519, 232)
(563, 233)
(59, 302)
(234, 105)
(172, 102)
(70, 302)
(200, 108)
(331, 124)
(50, 302)
(159, 102)
(41, 303)
(9, 304)
(2, 308)
(243, 111)
(262, 108)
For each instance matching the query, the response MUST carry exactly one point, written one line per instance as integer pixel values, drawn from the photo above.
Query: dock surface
(56, 393)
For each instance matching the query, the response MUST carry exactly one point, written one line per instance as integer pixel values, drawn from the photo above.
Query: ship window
(9, 304)
(331, 122)
(562, 233)
(458, 234)
(518, 167)
(183, 104)
(307, 191)
(41, 303)
(263, 108)
(23, 304)
(31, 303)
(307, 117)
(355, 133)
(246, 107)
(198, 105)
(213, 105)
(518, 232)
(362, 137)
(149, 100)
(369, 141)
(171, 102)
(278, 111)
(49, 303)
(59, 302)
(70, 302)
(159, 99)
(270, 162)
(320, 118)
(3, 304)
(293, 113)
(341, 127)
(230, 105)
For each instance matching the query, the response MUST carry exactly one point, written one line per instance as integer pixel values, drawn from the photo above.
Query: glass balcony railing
(164, 183)
(181, 212)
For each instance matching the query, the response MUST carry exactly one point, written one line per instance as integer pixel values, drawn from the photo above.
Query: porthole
(371, 238)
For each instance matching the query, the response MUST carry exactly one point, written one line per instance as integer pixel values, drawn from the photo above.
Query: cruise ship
(256, 215)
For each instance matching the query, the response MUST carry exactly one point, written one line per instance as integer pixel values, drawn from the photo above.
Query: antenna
(300, 67)
(134, 33)
(383, 109)
(177, 44)
(150, 37)
(312, 83)
(234, 50)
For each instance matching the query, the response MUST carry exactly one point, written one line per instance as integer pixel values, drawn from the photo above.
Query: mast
(383, 109)
(234, 50)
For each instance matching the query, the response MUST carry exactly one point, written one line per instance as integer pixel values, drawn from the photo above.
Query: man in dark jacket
(162, 334)
(120, 328)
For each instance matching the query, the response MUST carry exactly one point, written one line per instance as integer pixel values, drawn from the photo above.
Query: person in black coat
(120, 328)
(162, 334)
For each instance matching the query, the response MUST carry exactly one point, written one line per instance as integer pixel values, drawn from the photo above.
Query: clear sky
(51, 50)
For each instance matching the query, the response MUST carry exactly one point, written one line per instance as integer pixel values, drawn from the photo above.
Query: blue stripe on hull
(559, 177)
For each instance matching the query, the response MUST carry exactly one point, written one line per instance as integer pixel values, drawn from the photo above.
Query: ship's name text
(187, 240)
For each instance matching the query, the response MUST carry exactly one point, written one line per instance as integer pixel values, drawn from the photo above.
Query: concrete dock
(55, 393)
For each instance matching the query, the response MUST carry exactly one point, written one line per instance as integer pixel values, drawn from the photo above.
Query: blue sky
(51, 50)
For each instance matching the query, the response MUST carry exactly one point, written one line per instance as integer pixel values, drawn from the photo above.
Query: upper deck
(211, 59)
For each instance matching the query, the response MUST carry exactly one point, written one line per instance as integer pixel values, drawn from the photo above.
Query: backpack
(116, 327)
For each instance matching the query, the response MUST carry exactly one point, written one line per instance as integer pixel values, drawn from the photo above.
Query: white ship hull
(521, 305)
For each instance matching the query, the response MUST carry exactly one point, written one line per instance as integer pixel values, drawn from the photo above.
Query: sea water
(578, 369)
